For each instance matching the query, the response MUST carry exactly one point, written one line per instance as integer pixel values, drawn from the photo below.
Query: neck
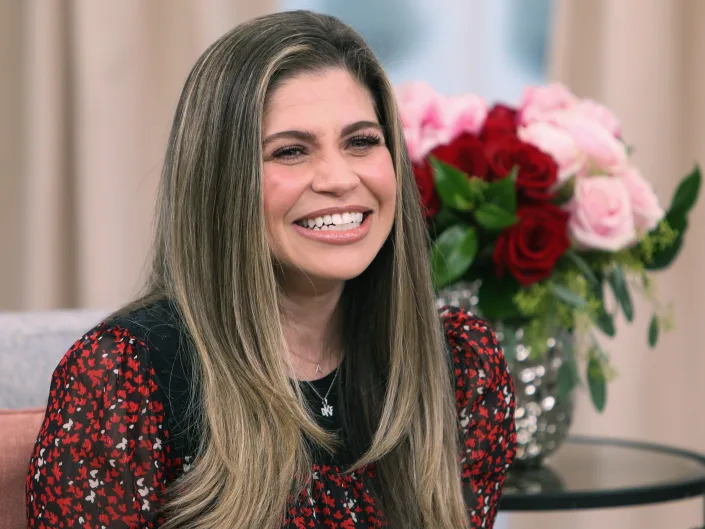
(312, 329)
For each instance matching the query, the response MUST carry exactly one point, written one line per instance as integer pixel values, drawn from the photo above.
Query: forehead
(321, 98)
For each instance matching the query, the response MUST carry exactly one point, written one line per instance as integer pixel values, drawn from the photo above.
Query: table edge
(612, 497)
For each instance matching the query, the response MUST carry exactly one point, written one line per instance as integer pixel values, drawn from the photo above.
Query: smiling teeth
(337, 222)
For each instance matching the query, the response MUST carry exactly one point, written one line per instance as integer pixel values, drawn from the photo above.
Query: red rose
(501, 120)
(423, 173)
(537, 170)
(466, 152)
(531, 247)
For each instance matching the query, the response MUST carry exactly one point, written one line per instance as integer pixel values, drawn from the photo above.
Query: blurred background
(88, 89)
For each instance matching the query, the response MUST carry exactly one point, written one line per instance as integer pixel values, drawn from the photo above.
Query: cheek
(380, 177)
(281, 190)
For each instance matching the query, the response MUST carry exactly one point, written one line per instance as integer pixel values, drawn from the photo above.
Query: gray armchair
(31, 345)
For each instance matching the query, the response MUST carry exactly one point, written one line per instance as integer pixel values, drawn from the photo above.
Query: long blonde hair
(211, 257)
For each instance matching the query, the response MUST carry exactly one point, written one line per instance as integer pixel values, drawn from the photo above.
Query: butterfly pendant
(327, 409)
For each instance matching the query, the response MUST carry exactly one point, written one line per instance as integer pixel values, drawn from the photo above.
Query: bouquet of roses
(542, 205)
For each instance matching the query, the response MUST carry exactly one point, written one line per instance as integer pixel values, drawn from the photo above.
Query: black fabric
(343, 456)
(171, 354)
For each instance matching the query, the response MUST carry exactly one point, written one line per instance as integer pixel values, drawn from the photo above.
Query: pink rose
(592, 127)
(601, 215)
(606, 153)
(420, 142)
(647, 211)
(417, 102)
(539, 101)
(431, 119)
(558, 143)
(600, 114)
(421, 113)
(463, 113)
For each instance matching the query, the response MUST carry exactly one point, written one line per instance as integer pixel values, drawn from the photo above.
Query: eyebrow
(310, 137)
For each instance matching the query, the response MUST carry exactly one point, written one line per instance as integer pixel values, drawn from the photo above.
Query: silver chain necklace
(327, 409)
(318, 366)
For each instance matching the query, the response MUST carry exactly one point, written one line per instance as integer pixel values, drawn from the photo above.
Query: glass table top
(594, 472)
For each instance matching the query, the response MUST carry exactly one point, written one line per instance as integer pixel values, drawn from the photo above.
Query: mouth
(335, 222)
(338, 234)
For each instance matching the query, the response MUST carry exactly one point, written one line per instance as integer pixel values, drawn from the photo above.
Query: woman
(285, 365)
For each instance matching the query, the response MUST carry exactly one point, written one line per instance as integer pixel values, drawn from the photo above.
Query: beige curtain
(88, 92)
(645, 59)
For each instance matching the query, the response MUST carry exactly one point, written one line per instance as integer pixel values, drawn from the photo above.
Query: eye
(362, 142)
(288, 153)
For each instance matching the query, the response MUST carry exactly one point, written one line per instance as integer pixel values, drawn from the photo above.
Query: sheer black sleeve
(485, 405)
(100, 459)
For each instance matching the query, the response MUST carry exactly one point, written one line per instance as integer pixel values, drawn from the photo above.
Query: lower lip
(337, 237)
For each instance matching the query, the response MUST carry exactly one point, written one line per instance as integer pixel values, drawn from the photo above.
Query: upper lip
(334, 210)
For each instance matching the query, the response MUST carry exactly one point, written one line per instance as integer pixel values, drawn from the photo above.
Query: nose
(335, 175)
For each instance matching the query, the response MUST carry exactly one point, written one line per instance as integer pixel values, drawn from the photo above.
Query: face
(329, 181)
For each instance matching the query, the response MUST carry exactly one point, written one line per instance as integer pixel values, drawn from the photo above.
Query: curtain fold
(90, 92)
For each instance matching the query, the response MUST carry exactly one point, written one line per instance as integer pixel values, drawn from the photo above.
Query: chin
(339, 272)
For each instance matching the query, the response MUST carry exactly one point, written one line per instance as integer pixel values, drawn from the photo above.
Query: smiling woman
(285, 365)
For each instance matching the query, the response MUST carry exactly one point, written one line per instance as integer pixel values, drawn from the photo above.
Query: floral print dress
(114, 436)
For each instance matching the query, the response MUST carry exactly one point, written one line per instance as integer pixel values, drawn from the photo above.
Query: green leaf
(602, 318)
(503, 193)
(619, 286)
(605, 322)
(453, 253)
(496, 298)
(568, 296)
(597, 382)
(567, 377)
(445, 218)
(478, 187)
(687, 193)
(453, 186)
(566, 380)
(677, 218)
(663, 257)
(513, 174)
(653, 331)
(582, 265)
(492, 217)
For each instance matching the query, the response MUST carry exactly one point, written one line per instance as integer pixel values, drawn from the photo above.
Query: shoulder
(143, 353)
(100, 358)
(478, 360)
(159, 329)
(112, 357)
(156, 325)
(123, 343)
